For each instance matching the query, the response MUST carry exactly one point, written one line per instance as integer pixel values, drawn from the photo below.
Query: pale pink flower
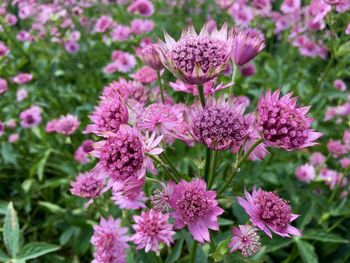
(13, 138)
(120, 33)
(342, 6)
(245, 239)
(290, 6)
(51, 126)
(128, 90)
(269, 212)
(103, 24)
(149, 56)
(344, 162)
(160, 198)
(305, 173)
(209, 87)
(123, 61)
(336, 148)
(67, 125)
(141, 26)
(23, 36)
(141, 7)
(4, 50)
(11, 123)
(11, 19)
(145, 75)
(339, 85)
(22, 78)
(317, 159)
(347, 30)
(241, 13)
(31, 117)
(21, 94)
(332, 178)
(346, 139)
(71, 47)
(3, 86)
(152, 228)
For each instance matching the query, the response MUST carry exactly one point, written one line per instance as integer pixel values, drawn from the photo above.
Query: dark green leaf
(11, 231)
(323, 236)
(35, 250)
(307, 251)
(176, 252)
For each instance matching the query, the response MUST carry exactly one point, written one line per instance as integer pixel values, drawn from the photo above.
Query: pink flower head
(122, 61)
(51, 126)
(71, 47)
(13, 138)
(339, 85)
(22, 78)
(31, 117)
(342, 6)
(283, 124)
(305, 173)
(332, 2)
(141, 26)
(241, 13)
(160, 198)
(347, 30)
(4, 50)
(83, 151)
(152, 228)
(346, 139)
(332, 178)
(344, 162)
(290, 6)
(145, 75)
(11, 19)
(195, 207)
(248, 70)
(127, 89)
(269, 212)
(11, 123)
(21, 94)
(110, 241)
(88, 185)
(110, 113)
(149, 56)
(103, 24)
(247, 44)
(336, 148)
(121, 154)
(196, 59)
(141, 7)
(121, 33)
(245, 239)
(67, 125)
(23, 36)
(317, 158)
(3, 86)
(220, 125)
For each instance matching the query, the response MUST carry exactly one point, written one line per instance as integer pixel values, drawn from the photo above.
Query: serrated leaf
(11, 231)
(35, 250)
(323, 236)
(176, 252)
(307, 251)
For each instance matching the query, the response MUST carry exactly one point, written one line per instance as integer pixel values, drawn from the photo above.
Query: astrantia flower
(3, 86)
(283, 124)
(122, 154)
(110, 113)
(305, 173)
(247, 43)
(13, 138)
(21, 94)
(245, 239)
(110, 241)
(67, 125)
(195, 207)
(196, 59)
(145, 75)
(82, 153)
(336, 148)
(339, 85)
(141, 26)
(141, 7)
(160, 198)
(31, 117)
(220, 125)
(103, 23)
(317, 158)
(4, 50)
(22, 78)
(152, 228)
(127, 89)
(269, 212)
(149, 56)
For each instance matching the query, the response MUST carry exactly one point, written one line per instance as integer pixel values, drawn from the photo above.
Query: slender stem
(234, 77)
(160, 87)
(158, 160)
(165, 158)
(201, 94)
(207, 164)
(212, 168)
(153, 180)
(336, 190)
(193, 251)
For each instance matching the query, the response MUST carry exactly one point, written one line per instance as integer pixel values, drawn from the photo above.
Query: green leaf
(11, 231)
(39, 166)
(176, 252)
(35, 250)
(3, 256)
(221, 250)
(225, 222)
(52, 207)
(320, 235)
(307, 251)
(3, 207)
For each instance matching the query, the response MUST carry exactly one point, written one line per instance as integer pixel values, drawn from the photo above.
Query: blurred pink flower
(241, 13)
(11, 19)
(141, 7)
(332, 178)
(13, 138)
(248, 70)
(344, 162)
(67, 125)
(149, 56)
(290, 6)
(21, 94)
(127, 89)
(122, 61)
(71, 47)
(336, 148)
(145, 75)
(83, 152)
(305, 173)
(4, 50)
(51, 126)
(120, 33)
(3, 86)
(342, 6)
(103, 24)
(317, 159)
(347, 30)
(2, 128)
(30, 117)
(269, 212)
(245, 239)
(11, 123)
(339, 85)
(22, 78)
(141, 26)
(152, 228)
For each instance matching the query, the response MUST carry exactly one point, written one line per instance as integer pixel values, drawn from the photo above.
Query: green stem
(207, 164)
(159, 161)
(193, 251)
(234, 77)
(153, 180)
(212, 243)
(336, 190)
(165, 158)
(201, 94)
(160, 87)
(212, 168)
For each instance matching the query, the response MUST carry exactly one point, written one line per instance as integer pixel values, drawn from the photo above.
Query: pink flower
(152, 228)
(127, 90)
(305, 173)
(283, 124)
(51, 126)
(346, 139)
(241, 13)
(11, 19)
(342, 6)
(220, 125)
(145, 75)
(120, 33)
(31, 117)
(196, 59)
(247, 44)
(4, 50)
(149, 56)
(22, 78)
(245, 239)
(123, 61)
(110, 113)
(13, 138)
(344, 162)
(332, 178)
(141, 26)
(317, 159)
(103, 24)
(67, 125)
(160, 198)
(141, 7)
(11, 123)
(195, 207)
(248, 70)
(110, 241)
(336, 148)
(290, 6)
(339, 85)
(21, 94)
(347, 30)
(269, 212)
(83, 152)
(3, 86)
(71, 47)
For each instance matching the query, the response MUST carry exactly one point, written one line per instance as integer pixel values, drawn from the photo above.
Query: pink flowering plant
(175, 131)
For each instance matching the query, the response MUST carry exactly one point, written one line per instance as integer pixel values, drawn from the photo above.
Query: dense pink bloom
(248, 70)
(269, 212)
(110, 241)
(149, 56)
(145, 75)
(245, 239)
(336, 148)
(305, 173)
(344, 162)
(71, 47)
(195, 207)
(3, 86)
(141, 7)
(23, 36)
(31, 117)
(241, 13)
(21, 94)
(339, 85)
(88, 185)
(141, 26)
(317, 158)
(290, 6)
(51, 126)
(120, 33)
(127, 89)
(67, 125)
(246, 45)
(13, 138)
(11, 19)
(103, 24)
(342, 6)
(152, 228)
(110, 113)
(196, 59)
(121, 61)
(22, 78)
(283, 124)
(4, 50)
(83, 152)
